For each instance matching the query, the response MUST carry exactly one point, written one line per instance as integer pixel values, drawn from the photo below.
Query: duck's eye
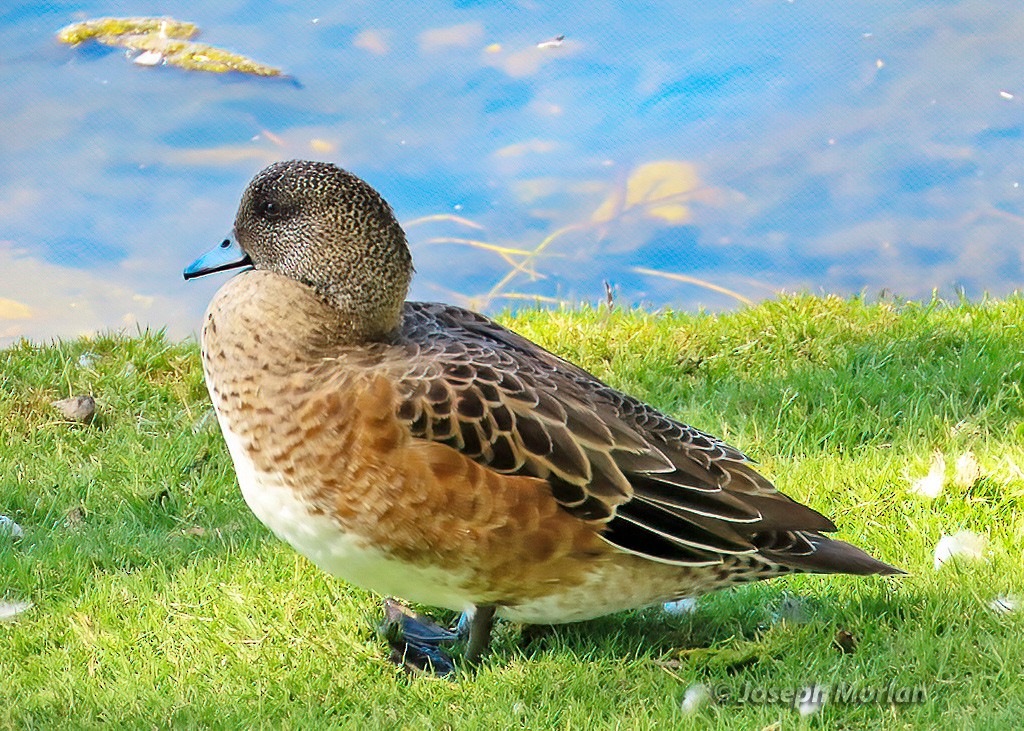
(269, 209)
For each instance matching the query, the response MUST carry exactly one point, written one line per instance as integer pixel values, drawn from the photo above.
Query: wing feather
(653, 485)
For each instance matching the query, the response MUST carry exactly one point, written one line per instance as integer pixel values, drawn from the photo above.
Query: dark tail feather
(832, 557)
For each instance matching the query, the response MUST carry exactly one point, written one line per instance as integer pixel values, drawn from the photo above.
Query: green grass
(142, 620)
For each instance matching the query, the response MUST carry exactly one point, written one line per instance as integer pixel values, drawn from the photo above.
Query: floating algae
(162, 40)
(108, 30)
(194, 56)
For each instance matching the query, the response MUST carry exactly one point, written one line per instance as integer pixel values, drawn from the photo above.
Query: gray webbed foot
(416, 640)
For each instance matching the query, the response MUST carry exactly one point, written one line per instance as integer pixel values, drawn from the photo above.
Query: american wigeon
(421, 450)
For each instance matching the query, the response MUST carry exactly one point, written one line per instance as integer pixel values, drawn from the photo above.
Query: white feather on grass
(9, 611)
(930, 486)
(811, 700)
(9, 527)
(696, 697)
(682, 606)
(967, 470)
(1005, 604)
(962, 544)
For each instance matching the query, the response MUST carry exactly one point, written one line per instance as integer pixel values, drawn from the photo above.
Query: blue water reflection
(662, 147)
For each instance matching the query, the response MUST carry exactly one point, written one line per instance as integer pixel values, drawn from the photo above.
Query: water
(860, 147)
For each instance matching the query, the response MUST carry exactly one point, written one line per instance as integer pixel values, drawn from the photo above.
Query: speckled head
(324, 227)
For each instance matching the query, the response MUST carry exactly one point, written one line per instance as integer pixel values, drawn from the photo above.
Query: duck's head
(324, 227)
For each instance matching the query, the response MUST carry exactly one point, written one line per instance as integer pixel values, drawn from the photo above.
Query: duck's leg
(479, 633)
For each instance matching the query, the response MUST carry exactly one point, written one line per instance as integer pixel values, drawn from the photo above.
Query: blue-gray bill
(226, 255)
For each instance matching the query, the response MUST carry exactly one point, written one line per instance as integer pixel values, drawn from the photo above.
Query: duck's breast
(340, 552)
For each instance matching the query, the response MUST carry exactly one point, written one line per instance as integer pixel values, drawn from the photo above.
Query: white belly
(339, 553)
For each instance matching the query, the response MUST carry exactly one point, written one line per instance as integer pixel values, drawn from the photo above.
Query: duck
(422, 451)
